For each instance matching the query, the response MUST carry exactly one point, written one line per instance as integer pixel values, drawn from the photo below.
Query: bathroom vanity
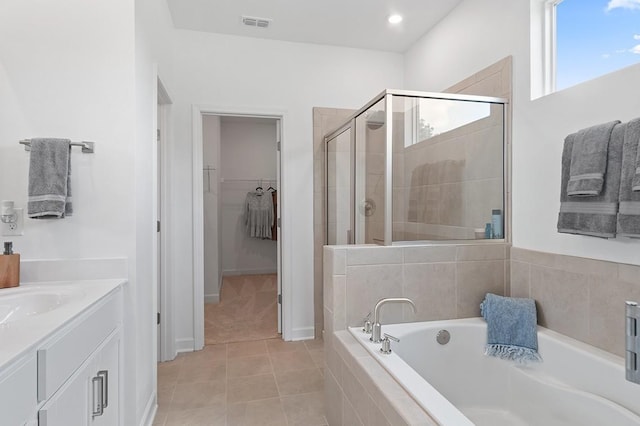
(61, 353)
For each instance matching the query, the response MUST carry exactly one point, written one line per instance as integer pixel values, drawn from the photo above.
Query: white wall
(248, 154)
(211, 186)
(78, 70)
(477, 34)
(252, 74)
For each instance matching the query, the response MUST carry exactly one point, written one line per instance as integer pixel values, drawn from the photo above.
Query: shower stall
(417, 166)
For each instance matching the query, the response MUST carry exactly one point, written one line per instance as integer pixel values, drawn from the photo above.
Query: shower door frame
(388, 96)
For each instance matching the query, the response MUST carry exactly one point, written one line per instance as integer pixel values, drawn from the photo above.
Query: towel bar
(87, 147)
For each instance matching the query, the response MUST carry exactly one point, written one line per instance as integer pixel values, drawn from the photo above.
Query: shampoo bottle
(496, 222)
(9, 267)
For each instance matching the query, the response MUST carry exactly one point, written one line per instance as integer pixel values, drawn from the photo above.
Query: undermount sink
(17, 304)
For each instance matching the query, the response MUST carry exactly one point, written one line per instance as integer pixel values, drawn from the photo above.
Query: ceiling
(350, 23)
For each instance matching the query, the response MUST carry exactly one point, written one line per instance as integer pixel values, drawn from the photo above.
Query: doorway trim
(167, 346)
(198, 215)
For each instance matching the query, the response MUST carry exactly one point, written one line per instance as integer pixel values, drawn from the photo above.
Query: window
(595, 37)
(585, 39)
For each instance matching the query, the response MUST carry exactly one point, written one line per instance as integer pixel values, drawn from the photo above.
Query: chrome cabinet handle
(105, 391)
(98, 408)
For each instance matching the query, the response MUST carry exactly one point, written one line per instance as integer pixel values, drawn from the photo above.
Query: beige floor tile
(288, 361)
(279, 345)
(168, 372)
(202, 370)
(243, 349)
(197, 395)
(304, 410)
(242, 389)
(160, 419)
(299, 381)
(266, 412)
(318, 357)
(215, 415)
(314, 344)
(165, 393)
(249, 366)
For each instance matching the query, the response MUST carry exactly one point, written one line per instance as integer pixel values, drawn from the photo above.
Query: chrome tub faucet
(377, 327)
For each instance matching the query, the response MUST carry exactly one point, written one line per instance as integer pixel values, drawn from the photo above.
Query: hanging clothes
(259, 214)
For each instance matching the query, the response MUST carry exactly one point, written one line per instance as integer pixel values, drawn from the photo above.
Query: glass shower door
(339, 189)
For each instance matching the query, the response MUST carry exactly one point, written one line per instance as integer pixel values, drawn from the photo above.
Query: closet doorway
(241, 240)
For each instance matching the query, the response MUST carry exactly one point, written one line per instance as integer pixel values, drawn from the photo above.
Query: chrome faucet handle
(367, 324)
(386, 343)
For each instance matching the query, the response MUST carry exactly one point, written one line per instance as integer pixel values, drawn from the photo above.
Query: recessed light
(395, 19)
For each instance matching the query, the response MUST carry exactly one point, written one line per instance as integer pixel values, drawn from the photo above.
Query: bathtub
(576, 384)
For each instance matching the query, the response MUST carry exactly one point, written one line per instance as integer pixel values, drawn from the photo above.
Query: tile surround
(582, 298)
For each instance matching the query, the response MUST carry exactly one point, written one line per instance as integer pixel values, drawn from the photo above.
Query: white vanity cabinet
(79, 369)
(72, 375)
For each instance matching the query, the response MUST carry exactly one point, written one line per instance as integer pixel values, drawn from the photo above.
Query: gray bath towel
(629, 215)
(636, 176)
(512, 328)
(589, 160)
(594, 216)
(49, 179)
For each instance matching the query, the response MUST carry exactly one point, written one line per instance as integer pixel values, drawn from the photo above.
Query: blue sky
(596, 37)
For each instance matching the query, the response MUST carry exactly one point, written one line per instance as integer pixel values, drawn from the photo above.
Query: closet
(240, 233)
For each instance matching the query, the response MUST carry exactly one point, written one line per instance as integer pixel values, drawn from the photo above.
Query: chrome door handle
(98, 388)
(105, 392)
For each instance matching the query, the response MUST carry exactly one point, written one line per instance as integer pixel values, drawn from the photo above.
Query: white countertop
(18, 337)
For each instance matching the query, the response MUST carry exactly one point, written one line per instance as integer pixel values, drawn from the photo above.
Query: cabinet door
(107, 366)
(69, 406)
(91, 395)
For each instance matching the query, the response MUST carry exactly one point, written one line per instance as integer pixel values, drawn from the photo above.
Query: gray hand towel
(636, 176)
(589, 160)
(512, 328)
(49, 179)
(594, 216)
(629, 215)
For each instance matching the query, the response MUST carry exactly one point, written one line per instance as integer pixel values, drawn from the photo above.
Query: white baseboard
(233, 272)
(185, 345)
(212, 298)
(150, 411)
(305, 333)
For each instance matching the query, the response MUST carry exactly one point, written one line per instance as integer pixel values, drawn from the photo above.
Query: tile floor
(247, 310)
(264, 382)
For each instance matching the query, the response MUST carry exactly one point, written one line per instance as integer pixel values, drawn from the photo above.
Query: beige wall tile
(474, 281)
(562, 300)
(339, 296)
(357, 395)
(374, 255)
(432, 287)
(367, 285)
(350, 417)
(520, 279)
(629, 273)
(429, 254)
(487, 251)
(333, 397)
(607, 312)
(534, 257)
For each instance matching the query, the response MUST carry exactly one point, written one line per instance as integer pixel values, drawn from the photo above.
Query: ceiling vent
(252, 21)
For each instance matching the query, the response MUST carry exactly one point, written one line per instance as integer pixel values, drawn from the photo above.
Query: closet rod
(247, 180)
(87, 147)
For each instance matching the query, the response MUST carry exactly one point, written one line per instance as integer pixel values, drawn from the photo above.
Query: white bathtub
(576, 384)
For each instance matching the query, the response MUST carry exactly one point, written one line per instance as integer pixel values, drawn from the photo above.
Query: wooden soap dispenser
(9, 267)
